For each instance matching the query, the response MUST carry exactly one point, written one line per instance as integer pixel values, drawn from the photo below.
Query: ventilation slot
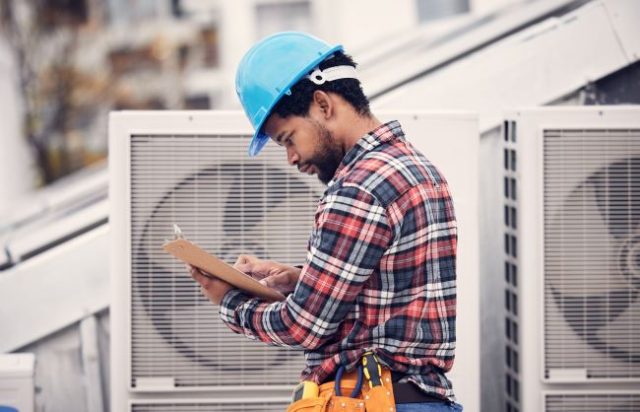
(512, 358)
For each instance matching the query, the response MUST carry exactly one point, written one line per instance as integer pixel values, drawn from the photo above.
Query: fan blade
(617, 194)
(588, 315)
(264, 187)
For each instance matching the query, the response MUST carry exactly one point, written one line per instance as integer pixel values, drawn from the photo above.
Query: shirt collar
(384, 133)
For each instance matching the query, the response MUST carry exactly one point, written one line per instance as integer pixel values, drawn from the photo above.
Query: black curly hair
(299, 101)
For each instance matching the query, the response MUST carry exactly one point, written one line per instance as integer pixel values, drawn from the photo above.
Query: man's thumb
(265, 282)
(275, 280)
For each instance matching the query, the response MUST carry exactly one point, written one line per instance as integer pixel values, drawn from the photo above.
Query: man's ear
(324, 103)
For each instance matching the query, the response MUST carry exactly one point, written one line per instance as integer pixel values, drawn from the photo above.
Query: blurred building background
(68, 63)
(65, 64)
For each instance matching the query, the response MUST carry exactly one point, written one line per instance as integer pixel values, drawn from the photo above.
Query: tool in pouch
(305, 390)
(376, 396)
(372, 369)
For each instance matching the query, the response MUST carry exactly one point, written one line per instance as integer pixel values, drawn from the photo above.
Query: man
(379, 277)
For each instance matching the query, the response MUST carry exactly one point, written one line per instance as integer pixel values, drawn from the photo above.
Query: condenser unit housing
(169, 349)
(571, 247)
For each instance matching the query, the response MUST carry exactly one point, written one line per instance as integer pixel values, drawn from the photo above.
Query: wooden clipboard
(191, 253)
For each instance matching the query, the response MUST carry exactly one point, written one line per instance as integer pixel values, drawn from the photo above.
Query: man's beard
(327, 155)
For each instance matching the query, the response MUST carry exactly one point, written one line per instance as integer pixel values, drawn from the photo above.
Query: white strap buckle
(330, 74)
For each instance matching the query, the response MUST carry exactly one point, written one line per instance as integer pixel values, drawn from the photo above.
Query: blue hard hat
(269, 70)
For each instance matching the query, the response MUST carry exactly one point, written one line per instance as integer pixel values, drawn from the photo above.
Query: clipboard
(191, 253)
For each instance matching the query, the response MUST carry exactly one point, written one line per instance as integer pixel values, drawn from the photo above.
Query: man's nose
(292, 157)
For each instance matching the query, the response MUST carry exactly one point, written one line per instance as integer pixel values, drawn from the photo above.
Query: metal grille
(229, 204)
(512, 345)
(592, 254)
(592, 403)
(274, 406)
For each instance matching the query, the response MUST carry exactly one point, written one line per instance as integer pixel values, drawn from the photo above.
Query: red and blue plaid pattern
(380, 272)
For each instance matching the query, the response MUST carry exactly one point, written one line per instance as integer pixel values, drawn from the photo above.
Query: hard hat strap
(330, 74)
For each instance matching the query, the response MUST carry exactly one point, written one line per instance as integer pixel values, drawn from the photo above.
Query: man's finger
(199, 277)
(243, 259)
(280, 279)
(274, 281)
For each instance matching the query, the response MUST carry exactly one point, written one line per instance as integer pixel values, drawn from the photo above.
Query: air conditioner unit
(191, 168)
(571, 256)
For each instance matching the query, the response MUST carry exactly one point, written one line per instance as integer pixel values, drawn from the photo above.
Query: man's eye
(287, 141)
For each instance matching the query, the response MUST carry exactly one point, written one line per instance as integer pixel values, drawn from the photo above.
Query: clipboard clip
(177, 232)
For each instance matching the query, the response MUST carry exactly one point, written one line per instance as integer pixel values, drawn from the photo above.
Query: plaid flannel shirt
(380, 272)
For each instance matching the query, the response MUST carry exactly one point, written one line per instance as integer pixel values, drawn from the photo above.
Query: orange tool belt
(368, 388)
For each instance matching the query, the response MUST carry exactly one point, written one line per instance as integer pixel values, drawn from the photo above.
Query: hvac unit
(169, 349)
(572, 259)
(192, 169)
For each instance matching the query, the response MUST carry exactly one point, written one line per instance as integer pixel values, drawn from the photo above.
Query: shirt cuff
(230, 301)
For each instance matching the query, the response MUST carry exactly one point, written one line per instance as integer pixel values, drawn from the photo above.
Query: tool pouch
(318, 404)
(346, 404)
(380, 398)
(376, 399)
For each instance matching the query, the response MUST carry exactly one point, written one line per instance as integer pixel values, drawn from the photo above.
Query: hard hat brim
(260, 139)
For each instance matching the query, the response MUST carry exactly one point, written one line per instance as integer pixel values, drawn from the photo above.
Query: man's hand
(277, 276)
(212, 287)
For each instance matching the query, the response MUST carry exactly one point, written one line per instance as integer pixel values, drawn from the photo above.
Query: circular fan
(592, 260)
(227, 209)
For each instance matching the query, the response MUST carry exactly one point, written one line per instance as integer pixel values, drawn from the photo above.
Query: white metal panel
(119, 267)
(54, 289)
(55, 228)
(532, 67)
(373, 56)
(70, 192)
(23, 211)
(78, 187)
(624, 16)
(491, 271)
(91, 364)
(55, 214)
(391, 63)
(17, 388)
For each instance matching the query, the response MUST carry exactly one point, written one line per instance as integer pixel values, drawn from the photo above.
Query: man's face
(309, 145)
